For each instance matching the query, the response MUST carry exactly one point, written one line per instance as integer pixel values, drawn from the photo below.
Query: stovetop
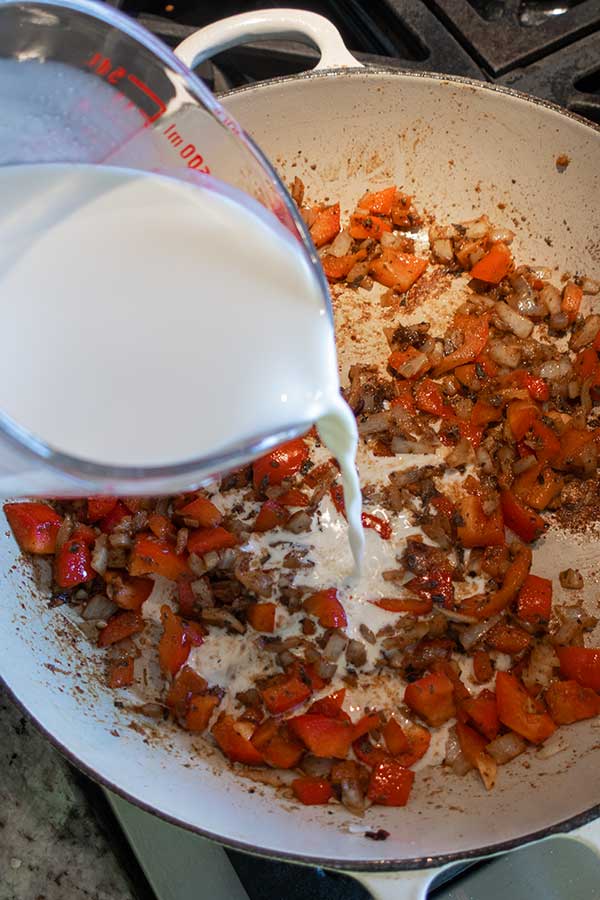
(548, 48)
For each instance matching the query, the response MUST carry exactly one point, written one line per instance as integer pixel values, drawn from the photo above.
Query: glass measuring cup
(82, 83)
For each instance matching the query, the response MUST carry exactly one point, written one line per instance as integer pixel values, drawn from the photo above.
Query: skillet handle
(408, 885)
(307, 27)
(589, 834)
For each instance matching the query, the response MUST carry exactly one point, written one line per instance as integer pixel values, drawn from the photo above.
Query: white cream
(133, 299)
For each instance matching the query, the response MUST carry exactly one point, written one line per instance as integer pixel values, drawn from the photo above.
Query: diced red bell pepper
(429, 399)
(184, 686)
(128, 592)
(73, 564)
(284, 692)
(99, 507)
(322, 735)
(537, 486)
(121, 625)
(312, 791)
(365, 725)
(376, 523)
(479, 529)
(200, 709)
(398, 358)
(203, 510)
(368, 226)
(84, 533)
(436, 587)
(205, 540)
(262, 617)
(450, 670)
(586, 362)
(152, 556)
(581, 664)
(368, 753)
(119, 512)
(482, 666)
(121, 673)
(34, 525)
(418, 738)
(177, 640)
(228, 734)
(326, 225)
(548, 446)
(494, 266)
(295, 498)
(534, 603)
(473, 748)
(432, 698)
(276, 746)
(390, 784)
(404, 398)
(330, 706)
(443, 505)
(336, 267)
(521, 414)
(509, 639)
(134, 504)
(471, 433)
(571, 300)
(496, 602)
(308, 672)
(397, 270)
(162, 527)
(573, 443)
(538, 387)
(394, 737)
(281, 463)
(378, 202)
(483, 413)
(569, 701)
(525, 523)
(414, 605)
(271, 515)
(476, 330)
(186, 599)
(325, 606)
(482, 710)
(520, 712)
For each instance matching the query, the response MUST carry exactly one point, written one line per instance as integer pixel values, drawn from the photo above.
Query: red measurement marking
(103, 67)
(188, 151)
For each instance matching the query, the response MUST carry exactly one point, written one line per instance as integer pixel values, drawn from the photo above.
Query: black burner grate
(504, 34)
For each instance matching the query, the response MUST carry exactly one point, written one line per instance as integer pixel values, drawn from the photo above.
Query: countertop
(52, 844)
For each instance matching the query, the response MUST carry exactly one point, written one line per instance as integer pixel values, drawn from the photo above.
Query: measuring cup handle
(307, 27)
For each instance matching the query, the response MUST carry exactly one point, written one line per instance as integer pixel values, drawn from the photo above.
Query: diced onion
(506, 747)
(555, 369)
(550, 296)
(99, 607)
(505, 354)
(590, 286)
(518, 324)
(341, 245)
(557, 743)
(475, 632)
(335, 646)
(442, 249)
(99, 561)
(586, 334)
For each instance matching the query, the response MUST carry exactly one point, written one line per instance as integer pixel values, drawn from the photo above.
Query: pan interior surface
(462, 150)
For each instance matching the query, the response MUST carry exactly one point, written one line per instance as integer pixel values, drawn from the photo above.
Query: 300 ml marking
(104, 68)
